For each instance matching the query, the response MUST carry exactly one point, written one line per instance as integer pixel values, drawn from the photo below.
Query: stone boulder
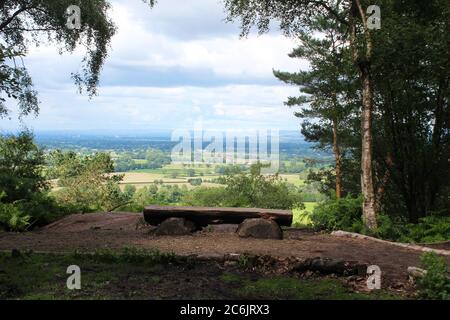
(260, 229)
(175, 227)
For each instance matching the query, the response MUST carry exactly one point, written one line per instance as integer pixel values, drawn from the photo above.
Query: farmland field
(141, 179)
(294, 179)
(169, 175)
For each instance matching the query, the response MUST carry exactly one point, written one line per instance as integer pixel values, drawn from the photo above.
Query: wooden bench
(203, 216)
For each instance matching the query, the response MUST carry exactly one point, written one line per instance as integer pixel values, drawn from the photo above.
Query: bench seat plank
(203, 216)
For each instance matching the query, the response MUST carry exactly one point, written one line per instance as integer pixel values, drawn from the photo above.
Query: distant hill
(292, 143)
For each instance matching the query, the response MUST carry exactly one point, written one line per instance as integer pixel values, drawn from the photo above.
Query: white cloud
(191, 40)
(226, 55)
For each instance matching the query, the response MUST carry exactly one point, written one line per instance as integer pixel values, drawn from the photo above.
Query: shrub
(155, 194)
(207, 197)
(129, 190)
(21, 167)
(344, 214)
(387, 228)
(429, 229)
(195, 182)
(87, 182)
(248, 190)
(43, 209)
(12, 219)
(435, 284)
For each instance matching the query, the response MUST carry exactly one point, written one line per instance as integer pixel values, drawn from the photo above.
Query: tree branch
(332, 12)
(14, 15)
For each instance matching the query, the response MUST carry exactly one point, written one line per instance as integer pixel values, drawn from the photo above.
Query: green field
(294, 179)
(181, 169)
(301, 217)
(176, 174)
(145, 178)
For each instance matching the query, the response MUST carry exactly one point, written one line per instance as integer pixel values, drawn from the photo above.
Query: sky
(169, 68)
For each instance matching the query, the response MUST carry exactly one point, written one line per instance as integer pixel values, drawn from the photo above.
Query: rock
(230, 263)
(233, 256)
(415, 273)
(260, 229)
(175, 227)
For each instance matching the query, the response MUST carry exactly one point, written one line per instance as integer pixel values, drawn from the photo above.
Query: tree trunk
(362, 60)
(369, 204)
(337, 155)
(382, 187)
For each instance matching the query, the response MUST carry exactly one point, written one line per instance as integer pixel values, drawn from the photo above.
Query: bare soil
(118, 230)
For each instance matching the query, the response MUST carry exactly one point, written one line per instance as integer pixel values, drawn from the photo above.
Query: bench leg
(175, 227)
(260, 229)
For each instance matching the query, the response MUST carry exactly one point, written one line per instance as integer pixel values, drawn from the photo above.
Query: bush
(24, 191)
(155, 195)
(21, 167)
(435, 284)
(428, 230)
(12, 219)
(195, 182)
(88, 184)
(207, 197)
(388, 229)
(344, 214)
(43, 209)
(248, 190)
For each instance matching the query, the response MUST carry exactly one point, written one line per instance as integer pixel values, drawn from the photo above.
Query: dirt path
(94, 231)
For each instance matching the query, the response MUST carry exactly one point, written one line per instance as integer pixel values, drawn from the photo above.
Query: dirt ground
(117, 230)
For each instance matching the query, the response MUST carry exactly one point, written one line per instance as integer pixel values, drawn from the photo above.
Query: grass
(140, 177)
(43, 276)
(178, 169)
(146, 177)
(151, 174)
(277, 288)
(141, 274)
(140, 161)
(301, 217)
(294, 179)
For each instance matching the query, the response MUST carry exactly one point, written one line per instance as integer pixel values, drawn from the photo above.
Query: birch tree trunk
(362, 60)
(369, 204)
